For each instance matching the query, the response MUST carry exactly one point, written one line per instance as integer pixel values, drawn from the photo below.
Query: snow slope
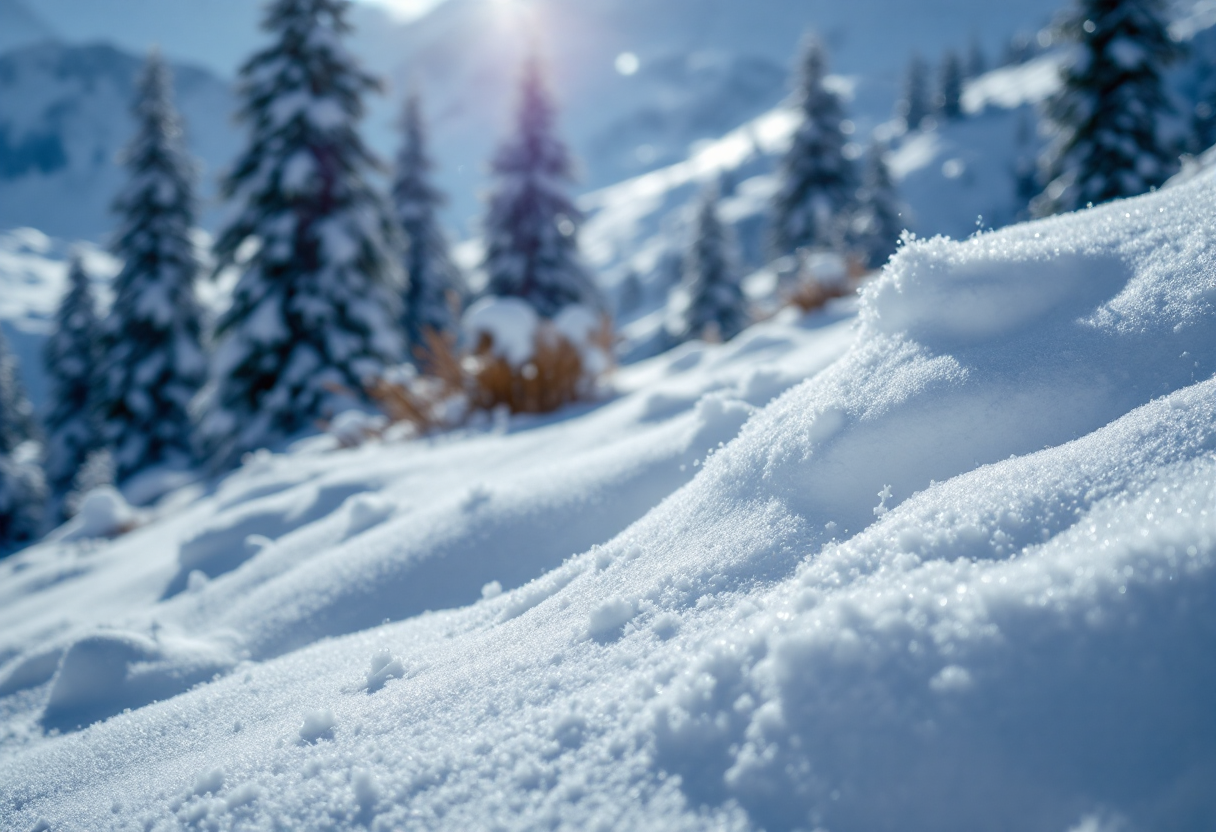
(960, 578)
(948, 175)
(33, 278)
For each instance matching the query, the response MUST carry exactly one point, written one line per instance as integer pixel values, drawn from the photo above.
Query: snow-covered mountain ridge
(65, 116)
(960, 574)
(700, 70)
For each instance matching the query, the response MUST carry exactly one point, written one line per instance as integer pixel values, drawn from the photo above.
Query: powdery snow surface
(960, 578)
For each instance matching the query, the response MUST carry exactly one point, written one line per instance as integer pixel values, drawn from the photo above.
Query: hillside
(64, 117)
(932, 560)
(703, 68)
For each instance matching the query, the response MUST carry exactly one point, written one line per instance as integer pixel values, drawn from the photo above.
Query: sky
(404, 9)
(218, 34)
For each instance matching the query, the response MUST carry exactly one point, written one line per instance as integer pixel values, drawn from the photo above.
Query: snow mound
(961, 573)
(103, 512)
(105, 673)
(509, 322)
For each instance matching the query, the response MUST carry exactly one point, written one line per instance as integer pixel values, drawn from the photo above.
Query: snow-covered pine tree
(71, 355)
(22, 488)
(708, 303)
(17, 424)
(531, 224)
(817, 181)
(434, 285)
(914, 106)
(949, 99)
(316, 309)
(876, 226)
(630, 294)
(152, 364)
(977, 61)
(1107, 111)
(1200, 92)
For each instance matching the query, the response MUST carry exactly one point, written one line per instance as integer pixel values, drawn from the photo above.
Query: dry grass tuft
(452, 384)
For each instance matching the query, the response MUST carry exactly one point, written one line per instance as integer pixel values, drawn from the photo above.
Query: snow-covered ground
(957, 575)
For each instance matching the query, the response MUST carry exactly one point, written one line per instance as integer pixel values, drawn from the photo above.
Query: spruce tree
(1106, 113)
(709, 302)
(17, 424)
(977, 62)
(1201, 93)
(950, 93)
(434, 287)
(73, 429)
(316, 310)
(152, 364)
(22, 489)
(816, 179)
(878, 223)
(914, 106)
(531, 224)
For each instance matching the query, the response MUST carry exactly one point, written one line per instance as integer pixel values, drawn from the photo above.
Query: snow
(929, 559)
(510, 322)
(103, 512)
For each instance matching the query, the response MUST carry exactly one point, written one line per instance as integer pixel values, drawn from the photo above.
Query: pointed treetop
(152, 361)
(531, 225)
(316, 309)
(1110, 106)
(72, 425)
(709, 302)
(434, 287)
(816, 176)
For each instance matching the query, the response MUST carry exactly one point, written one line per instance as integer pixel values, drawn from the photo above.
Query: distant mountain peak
(19, 26)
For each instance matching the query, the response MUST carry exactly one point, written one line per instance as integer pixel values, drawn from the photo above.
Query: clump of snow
(354, 427)
(608, 618)
(510, 323)
(103, 512)
(385, 666)
(318, 725)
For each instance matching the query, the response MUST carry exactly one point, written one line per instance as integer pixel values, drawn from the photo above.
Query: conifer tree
(878, 222)
(17, 424)
(816, 179)
(152, 364)
(914, 106)
(531, 224)
(73, 429)
(977, 62)
(1201, 93)
(316, 309)
(950, 94)
(1107, 111)
(709, 303)
(630, 294)
(22, 489)
(434, 286)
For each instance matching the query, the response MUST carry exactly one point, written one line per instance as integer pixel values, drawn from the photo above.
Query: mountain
(702, 66)
(693, 70)
(20, 27)
(64, 117)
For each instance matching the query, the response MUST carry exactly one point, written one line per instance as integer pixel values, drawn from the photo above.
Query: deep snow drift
(960, 578)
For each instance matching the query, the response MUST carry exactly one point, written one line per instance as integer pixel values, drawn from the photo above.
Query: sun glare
(405, 9)
(627, 63)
